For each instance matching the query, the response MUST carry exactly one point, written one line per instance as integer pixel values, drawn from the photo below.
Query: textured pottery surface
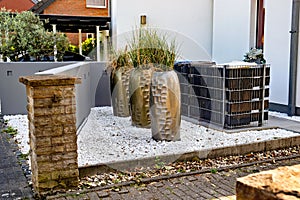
(120, 92)
(139, 91)
(165, 102)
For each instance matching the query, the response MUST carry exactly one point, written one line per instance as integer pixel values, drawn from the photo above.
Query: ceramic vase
(165, 106)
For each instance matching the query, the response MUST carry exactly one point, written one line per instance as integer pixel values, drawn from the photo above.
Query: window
(96, 3)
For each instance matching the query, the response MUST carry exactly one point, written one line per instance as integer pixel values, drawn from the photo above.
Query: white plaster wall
(191, 22)
(231, 29)
(277, 47)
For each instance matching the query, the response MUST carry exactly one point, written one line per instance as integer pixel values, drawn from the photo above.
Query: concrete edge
(253, 126)
(243, 149)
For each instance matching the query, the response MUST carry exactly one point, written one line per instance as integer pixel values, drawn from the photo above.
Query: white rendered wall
(190, 21)
(277, 47)
(231, 29)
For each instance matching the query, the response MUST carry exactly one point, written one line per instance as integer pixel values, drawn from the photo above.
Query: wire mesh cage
(225, 95)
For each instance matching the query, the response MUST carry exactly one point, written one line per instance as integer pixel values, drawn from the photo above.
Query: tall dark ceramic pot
(165, 104)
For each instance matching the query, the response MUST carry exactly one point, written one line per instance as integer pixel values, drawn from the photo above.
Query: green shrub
(23, 34)
(88, 45)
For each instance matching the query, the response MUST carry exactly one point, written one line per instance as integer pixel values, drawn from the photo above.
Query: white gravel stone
(105, 138)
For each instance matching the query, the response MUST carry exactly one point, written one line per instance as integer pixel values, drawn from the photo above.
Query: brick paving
(13, 183)
(220, 185)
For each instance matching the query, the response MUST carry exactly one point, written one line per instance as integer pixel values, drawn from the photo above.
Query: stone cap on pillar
(49, 80)
(280, 183)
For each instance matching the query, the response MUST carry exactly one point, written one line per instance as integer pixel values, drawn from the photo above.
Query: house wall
(277, 47)
(75, 8)
(12, 93)
(231, 29)
(94, 90)
(91, 74)
(190, 22)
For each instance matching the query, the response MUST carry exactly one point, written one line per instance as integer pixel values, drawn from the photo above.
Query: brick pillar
(52, 132)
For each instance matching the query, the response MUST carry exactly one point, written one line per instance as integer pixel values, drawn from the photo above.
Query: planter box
(228, 96)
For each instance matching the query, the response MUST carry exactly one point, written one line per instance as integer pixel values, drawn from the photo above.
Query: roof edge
(41, 6)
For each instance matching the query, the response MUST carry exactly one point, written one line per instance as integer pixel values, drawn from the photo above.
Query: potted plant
(140, 80)
(165, 97)
(120, 66)
(255, 55)
(154, 85)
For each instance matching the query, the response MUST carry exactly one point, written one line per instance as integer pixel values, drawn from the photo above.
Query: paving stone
(158, 184)
(222, 188)
(13, 184)
(189, 192)
(114, 195)
(126, 196)
(176, 181)
(93, 195)
(102, 194)
(85, 197)
(142, 188)
(61, 198)
(191, 178)
(71, 197)
(123, 191)
(165, 191)
(204, 195)
(193, 191)
(155, 192)
(178, 192)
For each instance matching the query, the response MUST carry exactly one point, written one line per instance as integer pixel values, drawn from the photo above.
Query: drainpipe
(293, 59)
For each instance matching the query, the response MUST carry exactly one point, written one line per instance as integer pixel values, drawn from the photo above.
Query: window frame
(92, 6)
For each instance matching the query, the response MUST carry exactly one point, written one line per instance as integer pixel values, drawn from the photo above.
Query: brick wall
(74, 38)
(75, 8)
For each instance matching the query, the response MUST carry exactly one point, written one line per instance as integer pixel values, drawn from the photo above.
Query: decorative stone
(139, 91)
(281, 183)
(165, 106)
(119, 84)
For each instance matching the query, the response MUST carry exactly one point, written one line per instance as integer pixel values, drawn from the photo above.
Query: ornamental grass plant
(150, 49)
(120, 59)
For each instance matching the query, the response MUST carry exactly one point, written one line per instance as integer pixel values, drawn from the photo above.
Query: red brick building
(16, 5)
(77, 8)
(84, 8)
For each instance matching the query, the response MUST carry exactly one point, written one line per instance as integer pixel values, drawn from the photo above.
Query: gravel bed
(106, 139)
